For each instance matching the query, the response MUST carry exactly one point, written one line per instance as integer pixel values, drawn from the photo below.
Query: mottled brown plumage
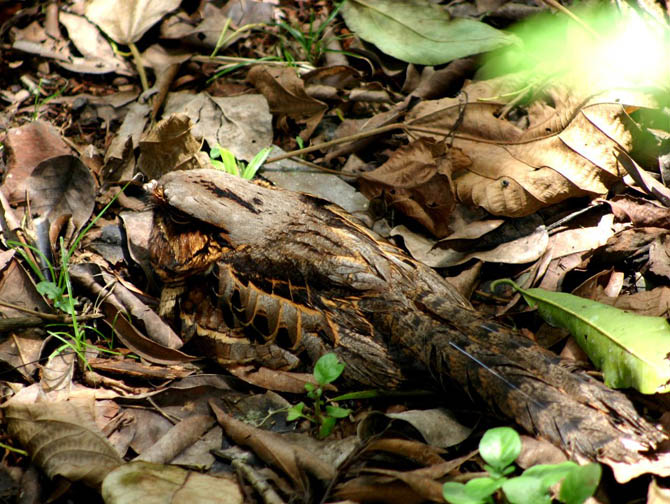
(308, 278)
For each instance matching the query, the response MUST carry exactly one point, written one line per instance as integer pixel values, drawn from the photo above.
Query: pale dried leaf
(170, 145)
(569, 150)
(99, 56)
(241, 124)
(63, 439)
(522, 250)
(438, 427)
(125, 21)
(285, 92)
(165, 484)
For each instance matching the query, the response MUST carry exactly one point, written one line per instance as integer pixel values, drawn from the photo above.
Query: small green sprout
(499, 448)
(312, 42)
(228, 162)
(326, 370)
(59, 290)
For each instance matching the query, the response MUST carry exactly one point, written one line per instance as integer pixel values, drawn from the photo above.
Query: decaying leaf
(62, 186)
(98, 54)
(28, 146)
(285, 92)
(438, 426)
(63, 439)
(416, 181)
(146, 482)
(241, 124)
(521, 250)
(169, 146)
(125, 21)
(568, 150)
(292, 459)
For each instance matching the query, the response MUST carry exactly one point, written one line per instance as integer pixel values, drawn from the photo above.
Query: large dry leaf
(292, 459)
(63, 439)
(119, 158)
(101, 284)
(438, 427)
(241, 124)
(27, 146)
(62, 186)
(169, 146)
(285, 93)
(569, 149)
(415, 180)
(522, 250)
(98, 54)
(204, 27)
(165, 484)
(125, 21)
(134, 340)
(177, 439)
(297, 177)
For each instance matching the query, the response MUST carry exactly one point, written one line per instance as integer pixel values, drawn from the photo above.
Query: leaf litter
(554, 186)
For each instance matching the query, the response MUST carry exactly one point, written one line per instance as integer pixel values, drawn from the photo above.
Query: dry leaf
(241, 124)
(285, 93)
(63, 439)
(416, 181)
(292, 459)
(165, 484)
(569, 150)
(125, 21)
(61, 187)
(169, 146)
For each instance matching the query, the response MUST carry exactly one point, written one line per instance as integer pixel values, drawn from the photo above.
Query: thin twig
(65, 319)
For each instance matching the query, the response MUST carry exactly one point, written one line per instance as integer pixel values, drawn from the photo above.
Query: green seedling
(59, 290)
(326, 370)
(311, 42)
(229, 163)
(499, 448)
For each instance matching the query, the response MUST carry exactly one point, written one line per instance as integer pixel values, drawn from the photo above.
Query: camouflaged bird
(287, 277)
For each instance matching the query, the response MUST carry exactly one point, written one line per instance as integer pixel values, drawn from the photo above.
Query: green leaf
(327, 426)
(631, 350)
(551, 474)
(217, 164)
(337, 412)
(580, 484)
(526, 490)
(455, 493)
(362, 394)
(295, 412)
(228, 160)
(328, 368)
(417, 31)
(49, 289)
(481, 488)
(500, 447)
(254, 165)
(215, 152)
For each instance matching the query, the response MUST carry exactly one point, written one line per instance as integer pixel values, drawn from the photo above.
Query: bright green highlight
(619, 49)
